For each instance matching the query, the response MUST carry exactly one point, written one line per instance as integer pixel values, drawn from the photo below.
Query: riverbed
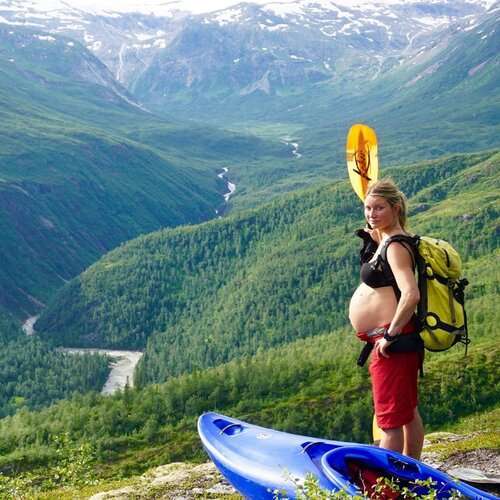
(122, 366)
(29, 326)
(123, 363)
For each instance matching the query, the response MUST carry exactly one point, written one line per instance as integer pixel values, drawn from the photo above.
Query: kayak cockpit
(228, 427)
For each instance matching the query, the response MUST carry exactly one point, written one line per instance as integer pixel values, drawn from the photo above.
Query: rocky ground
(485, 460)
(180, 481)
(176, 481)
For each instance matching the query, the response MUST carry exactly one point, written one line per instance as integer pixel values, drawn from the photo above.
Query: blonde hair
(387, 189)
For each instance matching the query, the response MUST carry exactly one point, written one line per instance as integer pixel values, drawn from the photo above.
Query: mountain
(302, 72)
(199, 296)
(253, 51)
(441, 100)
(84, 167)
(79, 88)
(248, 48)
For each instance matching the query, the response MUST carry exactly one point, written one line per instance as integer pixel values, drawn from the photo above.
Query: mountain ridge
(401, 22)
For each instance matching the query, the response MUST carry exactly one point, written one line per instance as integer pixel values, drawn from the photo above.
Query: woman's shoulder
(403, 239)
(399, 246)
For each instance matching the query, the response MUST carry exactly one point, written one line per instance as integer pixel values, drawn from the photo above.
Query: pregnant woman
(382, 312)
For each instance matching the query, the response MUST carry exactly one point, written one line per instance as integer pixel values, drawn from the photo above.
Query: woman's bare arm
(400, 260)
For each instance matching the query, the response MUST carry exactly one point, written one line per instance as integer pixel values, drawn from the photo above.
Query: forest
(34, 375)
(247, 316)
(198, 296)
(311, 386)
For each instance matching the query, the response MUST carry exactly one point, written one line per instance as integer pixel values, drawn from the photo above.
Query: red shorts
(394, 387)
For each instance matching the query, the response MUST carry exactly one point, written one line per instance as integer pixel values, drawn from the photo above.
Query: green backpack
(440, 312)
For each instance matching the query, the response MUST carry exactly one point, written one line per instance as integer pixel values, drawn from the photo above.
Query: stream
(230, 186)
(294, 145)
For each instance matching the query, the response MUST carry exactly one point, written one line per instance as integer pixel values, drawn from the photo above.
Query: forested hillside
(9, 329)
(83, 167)
(200, 296)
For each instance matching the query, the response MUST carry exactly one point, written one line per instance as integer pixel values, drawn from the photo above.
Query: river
(123, 363)
(122, 366)
(230, 186)
(294, 145)
(29, 326)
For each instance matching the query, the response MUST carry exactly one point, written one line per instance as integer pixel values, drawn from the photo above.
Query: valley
(178, 227)
(122, 363)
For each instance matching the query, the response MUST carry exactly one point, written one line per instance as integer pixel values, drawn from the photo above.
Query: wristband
(390, 338)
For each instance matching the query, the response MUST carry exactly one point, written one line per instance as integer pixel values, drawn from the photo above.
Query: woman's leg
(394, 386)
(393, 439)
(414, 436)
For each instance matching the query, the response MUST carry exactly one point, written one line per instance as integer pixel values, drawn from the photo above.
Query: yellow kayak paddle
(362, 158)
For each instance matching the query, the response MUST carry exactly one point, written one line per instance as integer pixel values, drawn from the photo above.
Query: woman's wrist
(390, 336)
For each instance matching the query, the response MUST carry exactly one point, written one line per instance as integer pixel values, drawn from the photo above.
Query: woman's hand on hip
(382, 347)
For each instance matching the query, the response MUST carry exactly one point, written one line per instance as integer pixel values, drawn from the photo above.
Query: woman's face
(379, 213)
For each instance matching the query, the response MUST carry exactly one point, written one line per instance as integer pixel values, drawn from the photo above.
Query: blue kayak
(264, 464)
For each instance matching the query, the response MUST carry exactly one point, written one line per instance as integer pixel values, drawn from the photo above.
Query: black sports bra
(377, 272)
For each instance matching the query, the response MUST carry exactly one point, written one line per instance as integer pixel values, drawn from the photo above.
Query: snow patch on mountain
(161, 43)
(228, 16)
(434, 21)
(46, 38)
(277, 27)
(285, 9)
(330, 34)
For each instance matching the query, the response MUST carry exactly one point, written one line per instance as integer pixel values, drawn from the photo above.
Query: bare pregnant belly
(371, 307)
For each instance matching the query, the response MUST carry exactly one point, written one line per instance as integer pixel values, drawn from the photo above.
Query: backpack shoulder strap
(409, 242)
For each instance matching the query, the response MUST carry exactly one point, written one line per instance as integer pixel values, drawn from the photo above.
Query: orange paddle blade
(362, 158)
